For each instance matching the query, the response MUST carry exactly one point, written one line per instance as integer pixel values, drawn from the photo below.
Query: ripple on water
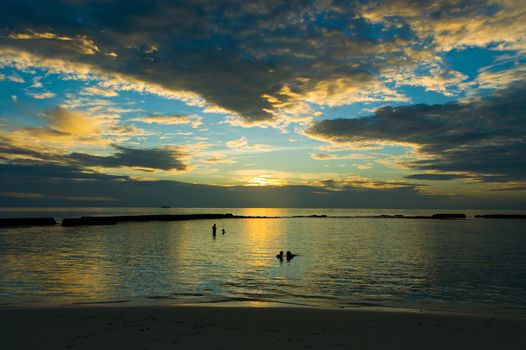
(480, 263)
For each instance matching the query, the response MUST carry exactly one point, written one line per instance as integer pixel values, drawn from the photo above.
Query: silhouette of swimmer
(290, 255)
(280, 255)
(214, 228)
(223, 231)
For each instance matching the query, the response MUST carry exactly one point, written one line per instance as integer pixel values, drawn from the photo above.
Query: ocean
(472, 265)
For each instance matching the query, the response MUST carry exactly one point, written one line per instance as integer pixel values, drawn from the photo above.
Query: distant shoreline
(112, 220)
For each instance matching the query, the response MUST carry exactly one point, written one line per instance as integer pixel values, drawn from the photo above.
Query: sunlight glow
(264, 180)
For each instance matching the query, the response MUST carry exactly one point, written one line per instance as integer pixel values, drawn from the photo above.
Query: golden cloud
(458, 27)
(242, 144)
(41, 95)
(93, 90)
(73, 122)
(80, 42)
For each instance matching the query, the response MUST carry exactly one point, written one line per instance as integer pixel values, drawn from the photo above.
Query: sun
(263, 180)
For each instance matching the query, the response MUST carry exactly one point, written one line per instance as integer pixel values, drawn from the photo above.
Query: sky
(353, 104)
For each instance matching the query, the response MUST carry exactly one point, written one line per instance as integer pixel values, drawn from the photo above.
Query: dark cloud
(485, 137)
(436, 177)
(156, 158)
(234, 52)
(19, 174)
(164, 158)
(509, 188)
(358, 183)
(230, 52)
(48, 184)
(44, 184)
(8, 151)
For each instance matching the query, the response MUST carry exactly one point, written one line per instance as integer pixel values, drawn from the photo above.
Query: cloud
(15, 78)
(193, 120)
(322, 181)
(433, 78)
(41, 95)
(22, 195)
(262, 64)
(363, 166)
(485, 137)
(456, 24)
(25, 195)
(38, 183)
(44, 140)
(436, 177)
(73, 122)
(48, 184)
(239, 143)
(218, 160)
(10, 150)
(327, 156)
(166, 158)
(37, 83)
(242, 144)
(73, 132)
(512, 187)
(359, 88)
(80, 43)
(71, 162)
(93, 90)
(49, 172)
(355, 182)
(488, 79)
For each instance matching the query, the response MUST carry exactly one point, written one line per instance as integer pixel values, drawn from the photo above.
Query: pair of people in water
(214, 229)
(289, 255)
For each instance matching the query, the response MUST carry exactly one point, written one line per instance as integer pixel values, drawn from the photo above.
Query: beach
(203, 327)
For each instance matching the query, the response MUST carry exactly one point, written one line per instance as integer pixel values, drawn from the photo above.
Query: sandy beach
(184, 327)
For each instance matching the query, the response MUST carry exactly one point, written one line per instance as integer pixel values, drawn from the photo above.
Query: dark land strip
(112, 220)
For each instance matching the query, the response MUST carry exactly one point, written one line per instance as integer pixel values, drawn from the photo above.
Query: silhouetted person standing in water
(290, 255)
(223, 231)
(214, 228)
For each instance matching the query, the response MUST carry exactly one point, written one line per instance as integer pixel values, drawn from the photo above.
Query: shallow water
(473, 264)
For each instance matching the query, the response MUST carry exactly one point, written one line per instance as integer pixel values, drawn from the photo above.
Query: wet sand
(190, 327)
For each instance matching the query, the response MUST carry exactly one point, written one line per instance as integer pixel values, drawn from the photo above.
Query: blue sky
(401, 100)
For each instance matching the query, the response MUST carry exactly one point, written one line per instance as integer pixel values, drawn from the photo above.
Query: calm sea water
(473, 264)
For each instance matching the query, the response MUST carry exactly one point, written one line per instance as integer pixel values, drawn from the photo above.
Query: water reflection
(43, 265)
(339, 262)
